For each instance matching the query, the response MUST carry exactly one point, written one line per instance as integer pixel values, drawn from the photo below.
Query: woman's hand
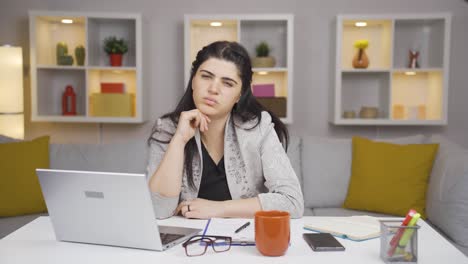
(201, 208)
(189, 121)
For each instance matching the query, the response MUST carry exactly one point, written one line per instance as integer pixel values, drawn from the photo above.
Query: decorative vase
(263, 62)
(368, 112)
(116, 59)
(69, 101)
(80, 55)
(349, 114)
(360, 60)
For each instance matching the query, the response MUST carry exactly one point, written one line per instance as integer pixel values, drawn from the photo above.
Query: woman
(218, 154)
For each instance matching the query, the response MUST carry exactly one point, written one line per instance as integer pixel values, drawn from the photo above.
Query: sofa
(323, 167)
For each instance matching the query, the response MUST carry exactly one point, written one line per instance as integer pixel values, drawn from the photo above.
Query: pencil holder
(398, 244)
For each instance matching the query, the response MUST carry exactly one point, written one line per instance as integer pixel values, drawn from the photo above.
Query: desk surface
(35, 243)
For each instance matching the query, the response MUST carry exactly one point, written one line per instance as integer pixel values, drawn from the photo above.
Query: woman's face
(216, 87)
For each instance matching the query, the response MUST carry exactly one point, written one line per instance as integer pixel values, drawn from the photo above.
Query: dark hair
(247, 108)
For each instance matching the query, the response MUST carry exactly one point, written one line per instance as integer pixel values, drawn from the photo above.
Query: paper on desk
(227, 226)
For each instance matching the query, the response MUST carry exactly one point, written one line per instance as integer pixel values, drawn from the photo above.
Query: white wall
(313, 62)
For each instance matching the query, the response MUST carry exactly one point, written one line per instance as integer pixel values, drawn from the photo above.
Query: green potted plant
(263, 58)
(115, 48)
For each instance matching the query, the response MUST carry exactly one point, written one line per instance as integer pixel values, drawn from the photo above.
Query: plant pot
(116, 60)
(360, 60)
(263, 62)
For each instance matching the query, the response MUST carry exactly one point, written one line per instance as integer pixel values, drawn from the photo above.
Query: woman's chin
(207, 110)
(210, 111)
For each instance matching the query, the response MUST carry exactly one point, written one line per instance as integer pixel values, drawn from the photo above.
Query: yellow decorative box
(111, 104)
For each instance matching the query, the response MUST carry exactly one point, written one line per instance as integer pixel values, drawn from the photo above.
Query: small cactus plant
(80, 55)
(262, 49)
(62, 50)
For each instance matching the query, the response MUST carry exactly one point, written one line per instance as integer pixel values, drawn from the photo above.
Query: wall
(313, 62)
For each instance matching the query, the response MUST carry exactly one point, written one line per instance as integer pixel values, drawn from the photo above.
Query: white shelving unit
(48, 80)
(403, 95)
(250, 30)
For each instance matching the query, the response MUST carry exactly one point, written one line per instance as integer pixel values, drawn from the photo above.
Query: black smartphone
(323, 242)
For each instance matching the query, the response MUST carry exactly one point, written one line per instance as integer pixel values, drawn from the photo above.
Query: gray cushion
(344, 212)
(463, 249)
(326, 168)
(5, 139)
(121, 157)
(294, 154)
(308, 212)
(447, 195)
(325, 171)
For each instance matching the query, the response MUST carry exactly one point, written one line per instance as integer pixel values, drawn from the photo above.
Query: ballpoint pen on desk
(242, 227)
(408, 233)
(399, 233)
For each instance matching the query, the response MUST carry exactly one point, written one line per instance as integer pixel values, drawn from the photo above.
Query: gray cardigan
(255, 162)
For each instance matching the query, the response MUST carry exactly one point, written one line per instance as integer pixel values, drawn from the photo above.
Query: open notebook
(357, 228)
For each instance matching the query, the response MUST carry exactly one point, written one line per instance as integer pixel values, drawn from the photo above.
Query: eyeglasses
(197, 245)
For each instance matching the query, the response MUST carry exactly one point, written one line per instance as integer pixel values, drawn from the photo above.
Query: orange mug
(272, 232)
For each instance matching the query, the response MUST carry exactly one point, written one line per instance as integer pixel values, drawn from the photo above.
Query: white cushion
(447, 194)
(128, 157)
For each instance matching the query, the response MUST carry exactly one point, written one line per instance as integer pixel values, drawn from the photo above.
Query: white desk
(35, 243)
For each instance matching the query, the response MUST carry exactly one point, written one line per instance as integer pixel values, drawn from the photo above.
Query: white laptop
(106, 208)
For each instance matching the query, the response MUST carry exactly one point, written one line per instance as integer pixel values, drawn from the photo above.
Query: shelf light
(67, 21)
(117, 71)
(360, 24)
(262, 73)
(410, 73)
(216, 24)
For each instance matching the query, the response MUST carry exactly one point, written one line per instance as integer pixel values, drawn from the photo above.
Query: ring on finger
(188, 207)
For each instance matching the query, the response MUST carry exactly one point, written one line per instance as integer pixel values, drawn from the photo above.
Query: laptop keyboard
(168, 238)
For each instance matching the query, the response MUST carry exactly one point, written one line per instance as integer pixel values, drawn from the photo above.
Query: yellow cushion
(20, 192)
(389, 178)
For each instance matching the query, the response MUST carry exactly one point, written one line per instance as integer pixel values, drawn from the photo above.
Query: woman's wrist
(178, 140)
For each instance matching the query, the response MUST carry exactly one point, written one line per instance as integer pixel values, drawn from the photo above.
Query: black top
(213, 185)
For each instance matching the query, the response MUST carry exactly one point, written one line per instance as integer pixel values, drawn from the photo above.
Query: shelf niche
(50, 31)
(379, 35)
(426, 36)
(52, 84)
(101, 28)
(366, 89)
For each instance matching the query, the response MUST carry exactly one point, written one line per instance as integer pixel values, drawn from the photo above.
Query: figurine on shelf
(69, 101)
(413, 59)
(361, 60)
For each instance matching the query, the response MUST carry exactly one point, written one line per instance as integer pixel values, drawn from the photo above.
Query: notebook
(228, 226)
(356, 228)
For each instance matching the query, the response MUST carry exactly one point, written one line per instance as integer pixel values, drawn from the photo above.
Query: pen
(242, 227)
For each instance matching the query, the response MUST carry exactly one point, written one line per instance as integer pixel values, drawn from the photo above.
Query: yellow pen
(408, 232)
